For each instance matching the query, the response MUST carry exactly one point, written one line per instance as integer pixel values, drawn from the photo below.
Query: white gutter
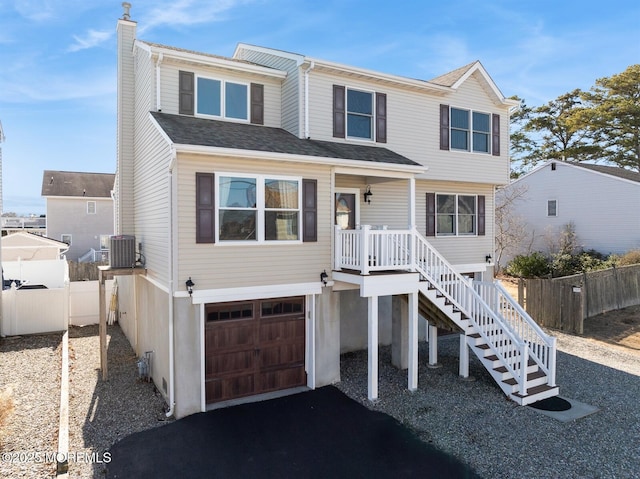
(270, 155)
(172, 282)
(311, 66)
(158, 96)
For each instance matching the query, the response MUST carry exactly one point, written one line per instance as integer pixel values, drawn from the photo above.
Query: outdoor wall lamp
(488, 258)
(323, 277)
(367, 195)
(190, 284)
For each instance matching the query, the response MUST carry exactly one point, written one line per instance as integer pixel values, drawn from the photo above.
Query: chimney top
(127, 7)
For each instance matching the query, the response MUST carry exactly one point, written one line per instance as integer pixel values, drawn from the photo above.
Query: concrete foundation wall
(327, 344)
(188, 354)
(353, 321)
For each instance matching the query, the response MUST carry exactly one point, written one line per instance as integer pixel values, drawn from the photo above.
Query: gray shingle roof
(611, 170)
(188, 130)
(449, 79)
(72, 183)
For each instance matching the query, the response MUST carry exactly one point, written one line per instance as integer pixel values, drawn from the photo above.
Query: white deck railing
(501, 322)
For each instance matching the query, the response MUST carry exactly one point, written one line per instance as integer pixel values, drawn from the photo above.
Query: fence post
(521, 292)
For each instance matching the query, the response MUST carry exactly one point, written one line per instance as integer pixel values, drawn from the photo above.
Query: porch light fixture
(367, 195)
(190, 284)
(323, 277)
(488, 258)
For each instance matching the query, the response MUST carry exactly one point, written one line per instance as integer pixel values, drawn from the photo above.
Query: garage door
(253, 347)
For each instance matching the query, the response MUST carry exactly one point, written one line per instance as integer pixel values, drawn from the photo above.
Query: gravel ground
(30, 368)
(102, 413)
(471, 420)
(474, 421)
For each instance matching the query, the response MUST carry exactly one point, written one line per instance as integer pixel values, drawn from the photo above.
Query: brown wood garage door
(253, 347)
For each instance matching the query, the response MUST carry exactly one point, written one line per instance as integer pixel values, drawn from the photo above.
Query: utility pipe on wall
(172, 281)
(307, 133)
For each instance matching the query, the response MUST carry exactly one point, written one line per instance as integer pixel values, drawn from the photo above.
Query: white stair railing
(542, 347)
(511, 351)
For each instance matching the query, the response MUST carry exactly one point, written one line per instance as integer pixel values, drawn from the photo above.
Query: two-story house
(290, 209)
(80, 212)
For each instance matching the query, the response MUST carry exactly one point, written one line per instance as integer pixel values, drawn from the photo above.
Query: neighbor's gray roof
(188, 130)
(72, 183)
(611, 170)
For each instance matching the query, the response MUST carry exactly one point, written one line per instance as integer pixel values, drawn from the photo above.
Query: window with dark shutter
(444, 127)
(205, 203)
(481, 216)
(495, 135)
(381, 117)
(257, 104)
(431, 214)
(338, 111)
(185, 93)
(309, 210)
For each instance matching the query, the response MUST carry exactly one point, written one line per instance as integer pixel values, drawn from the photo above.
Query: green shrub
(533, 265)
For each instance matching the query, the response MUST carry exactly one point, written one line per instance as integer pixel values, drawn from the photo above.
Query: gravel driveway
(471, 420)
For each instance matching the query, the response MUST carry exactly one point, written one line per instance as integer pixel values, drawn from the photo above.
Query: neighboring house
(31, 247)
(32, 224)
(233, 173)
(599, 201)
(80, 212)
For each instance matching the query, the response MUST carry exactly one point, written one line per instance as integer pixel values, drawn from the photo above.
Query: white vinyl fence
(30, 311)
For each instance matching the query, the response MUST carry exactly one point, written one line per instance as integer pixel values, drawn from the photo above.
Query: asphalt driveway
(314, 434)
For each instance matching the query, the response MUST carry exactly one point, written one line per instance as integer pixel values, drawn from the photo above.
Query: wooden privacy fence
(83, 271)
(564, 303)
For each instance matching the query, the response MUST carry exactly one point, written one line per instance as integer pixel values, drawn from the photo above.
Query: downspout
(158, 96)
(172, 270)
(307, 133)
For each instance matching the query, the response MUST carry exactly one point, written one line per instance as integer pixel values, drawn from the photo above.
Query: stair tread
(536, 390)
(530, 376)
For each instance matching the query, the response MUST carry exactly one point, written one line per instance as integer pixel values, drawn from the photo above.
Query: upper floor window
(359, 114)
(468, 130)
(552, 208)
(91, 207)
(222, 98)
(66, 238)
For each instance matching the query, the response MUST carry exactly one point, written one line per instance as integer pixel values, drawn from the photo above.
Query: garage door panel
(282, 379)
(229, 363)
(282, 329)
(229, 388)
(231, 335)
(281, 355)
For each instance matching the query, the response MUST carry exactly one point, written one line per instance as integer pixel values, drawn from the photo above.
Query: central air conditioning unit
(123, 251)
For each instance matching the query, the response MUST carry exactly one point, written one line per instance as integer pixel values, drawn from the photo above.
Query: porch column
(464, 357)
(412, 202)
(399, 332)
(413, 342)
(433, 346)
(372, 390)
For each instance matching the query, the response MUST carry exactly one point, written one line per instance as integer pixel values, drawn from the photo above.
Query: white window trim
(471, 131)
(260, 209)
(95, 207)
(457, 233)
(373, 115)
(223, 103)
(547, 212)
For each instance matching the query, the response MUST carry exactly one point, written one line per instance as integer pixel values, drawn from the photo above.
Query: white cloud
(91, 39)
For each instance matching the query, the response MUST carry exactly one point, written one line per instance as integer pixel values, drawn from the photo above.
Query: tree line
(602, 124)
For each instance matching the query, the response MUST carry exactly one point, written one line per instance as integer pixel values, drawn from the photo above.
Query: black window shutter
(186, 93)
(495, 136)
(257, 104)
(338, 112)
(444, 127)
(309, 210)
(205, 208)
(381, 117)
(431, 214)
(481, 216)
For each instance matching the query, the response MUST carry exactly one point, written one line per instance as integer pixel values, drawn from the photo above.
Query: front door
(346, 210)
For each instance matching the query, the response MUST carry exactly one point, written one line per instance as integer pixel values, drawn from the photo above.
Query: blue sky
(58, 58)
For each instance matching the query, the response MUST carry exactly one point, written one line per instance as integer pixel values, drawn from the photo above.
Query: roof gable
(25, 239)
(77, 184)
(613, 172)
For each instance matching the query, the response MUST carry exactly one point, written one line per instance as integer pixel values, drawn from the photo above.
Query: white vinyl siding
(413, 126)
(466, 249)
(169, 88)
(598, 205)
(220, 265)
(292, 88)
